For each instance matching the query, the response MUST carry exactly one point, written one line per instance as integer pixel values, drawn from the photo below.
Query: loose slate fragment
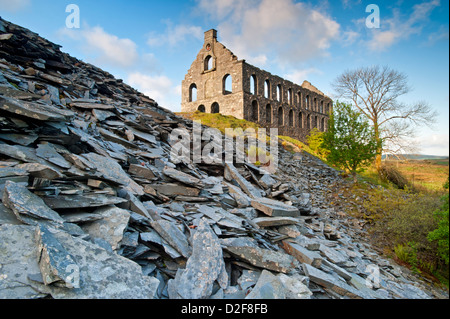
(173, 235)
(142, 135)
(274, 208)
(268, 286)
(173, 190)
(18, 261)
(40, 171)
(12, 171)
(55, 263)
(48, 152)
(111, 170)
(141, 171)
(302, 254)
(332, 255)
(7, 216)
(295, 288)
(21, 139)
(246, 186)
(34, 111)
(242, 200)
(101, 274)
(82, 201)
(22, 153)
(92, 106)
(102, 115)
(274, 221)
(183, 177)
(264, 258)
(203, 268)
(111, 227)
(22, 202)
(81, 217)
(325, 280)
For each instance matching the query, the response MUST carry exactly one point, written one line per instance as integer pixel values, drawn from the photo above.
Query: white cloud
(103, 48)
(160, 88)
(434, 144)
(175, 35)
(298, 76)
(398, 28)
(284, 30)
(14, 5)
(111, 48)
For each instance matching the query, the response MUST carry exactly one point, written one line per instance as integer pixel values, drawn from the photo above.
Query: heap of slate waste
(92, 206)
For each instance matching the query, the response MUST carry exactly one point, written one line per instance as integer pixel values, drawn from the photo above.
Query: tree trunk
(380, 148)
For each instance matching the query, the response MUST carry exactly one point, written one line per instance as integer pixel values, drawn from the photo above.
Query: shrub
(440, 235)
(393, 175)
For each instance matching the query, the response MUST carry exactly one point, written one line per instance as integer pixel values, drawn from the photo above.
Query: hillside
(94, 205)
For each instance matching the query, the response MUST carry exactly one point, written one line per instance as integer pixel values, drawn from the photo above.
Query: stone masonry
(218, 82)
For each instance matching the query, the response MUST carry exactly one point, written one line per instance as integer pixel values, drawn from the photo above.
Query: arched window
(253, 84)
(215, 108)
(268, 114)
(227, 84)
(254, 116)
(315, 105)
(300, 120)
(314, 121)
(267, 89)
(308, 122)
(280, 116)
(289, 96)
(201, 108)
(323, 125)
(193, 93)
(208, 63)
(299, 99)
(321, 107)
(307, 102)
(279, 93)
(291, 118)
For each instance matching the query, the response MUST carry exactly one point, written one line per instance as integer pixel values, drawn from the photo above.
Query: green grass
(222, 122)
(219, 121)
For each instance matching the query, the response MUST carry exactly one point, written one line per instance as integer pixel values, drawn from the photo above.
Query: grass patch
(219, 121)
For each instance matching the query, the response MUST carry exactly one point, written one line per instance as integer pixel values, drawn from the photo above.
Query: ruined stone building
(218, 82)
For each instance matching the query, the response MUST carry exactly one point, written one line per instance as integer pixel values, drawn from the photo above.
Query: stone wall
(294, 109)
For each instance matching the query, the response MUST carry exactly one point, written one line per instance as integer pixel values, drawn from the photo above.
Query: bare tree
(375, 91)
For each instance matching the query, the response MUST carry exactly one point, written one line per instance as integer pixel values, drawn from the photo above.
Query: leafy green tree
(315, 142)
(350, 140)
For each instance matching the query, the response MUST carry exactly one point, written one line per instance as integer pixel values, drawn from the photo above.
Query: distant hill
(414, 157)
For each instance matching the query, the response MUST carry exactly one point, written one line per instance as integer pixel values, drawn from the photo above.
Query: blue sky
(151, 44)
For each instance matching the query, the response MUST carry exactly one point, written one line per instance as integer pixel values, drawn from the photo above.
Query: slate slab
(275, 221)
(110, 227)
(34, 111)
(173, 235)
(272, 207)
(23, 202)
(264, 258)
(55, 263)
(268, 286)
(18, 259)
(246, 186)
(203, 268)
(328, 281)
(82, 201)
(111, 170)
(302, 254)
(182, 177)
